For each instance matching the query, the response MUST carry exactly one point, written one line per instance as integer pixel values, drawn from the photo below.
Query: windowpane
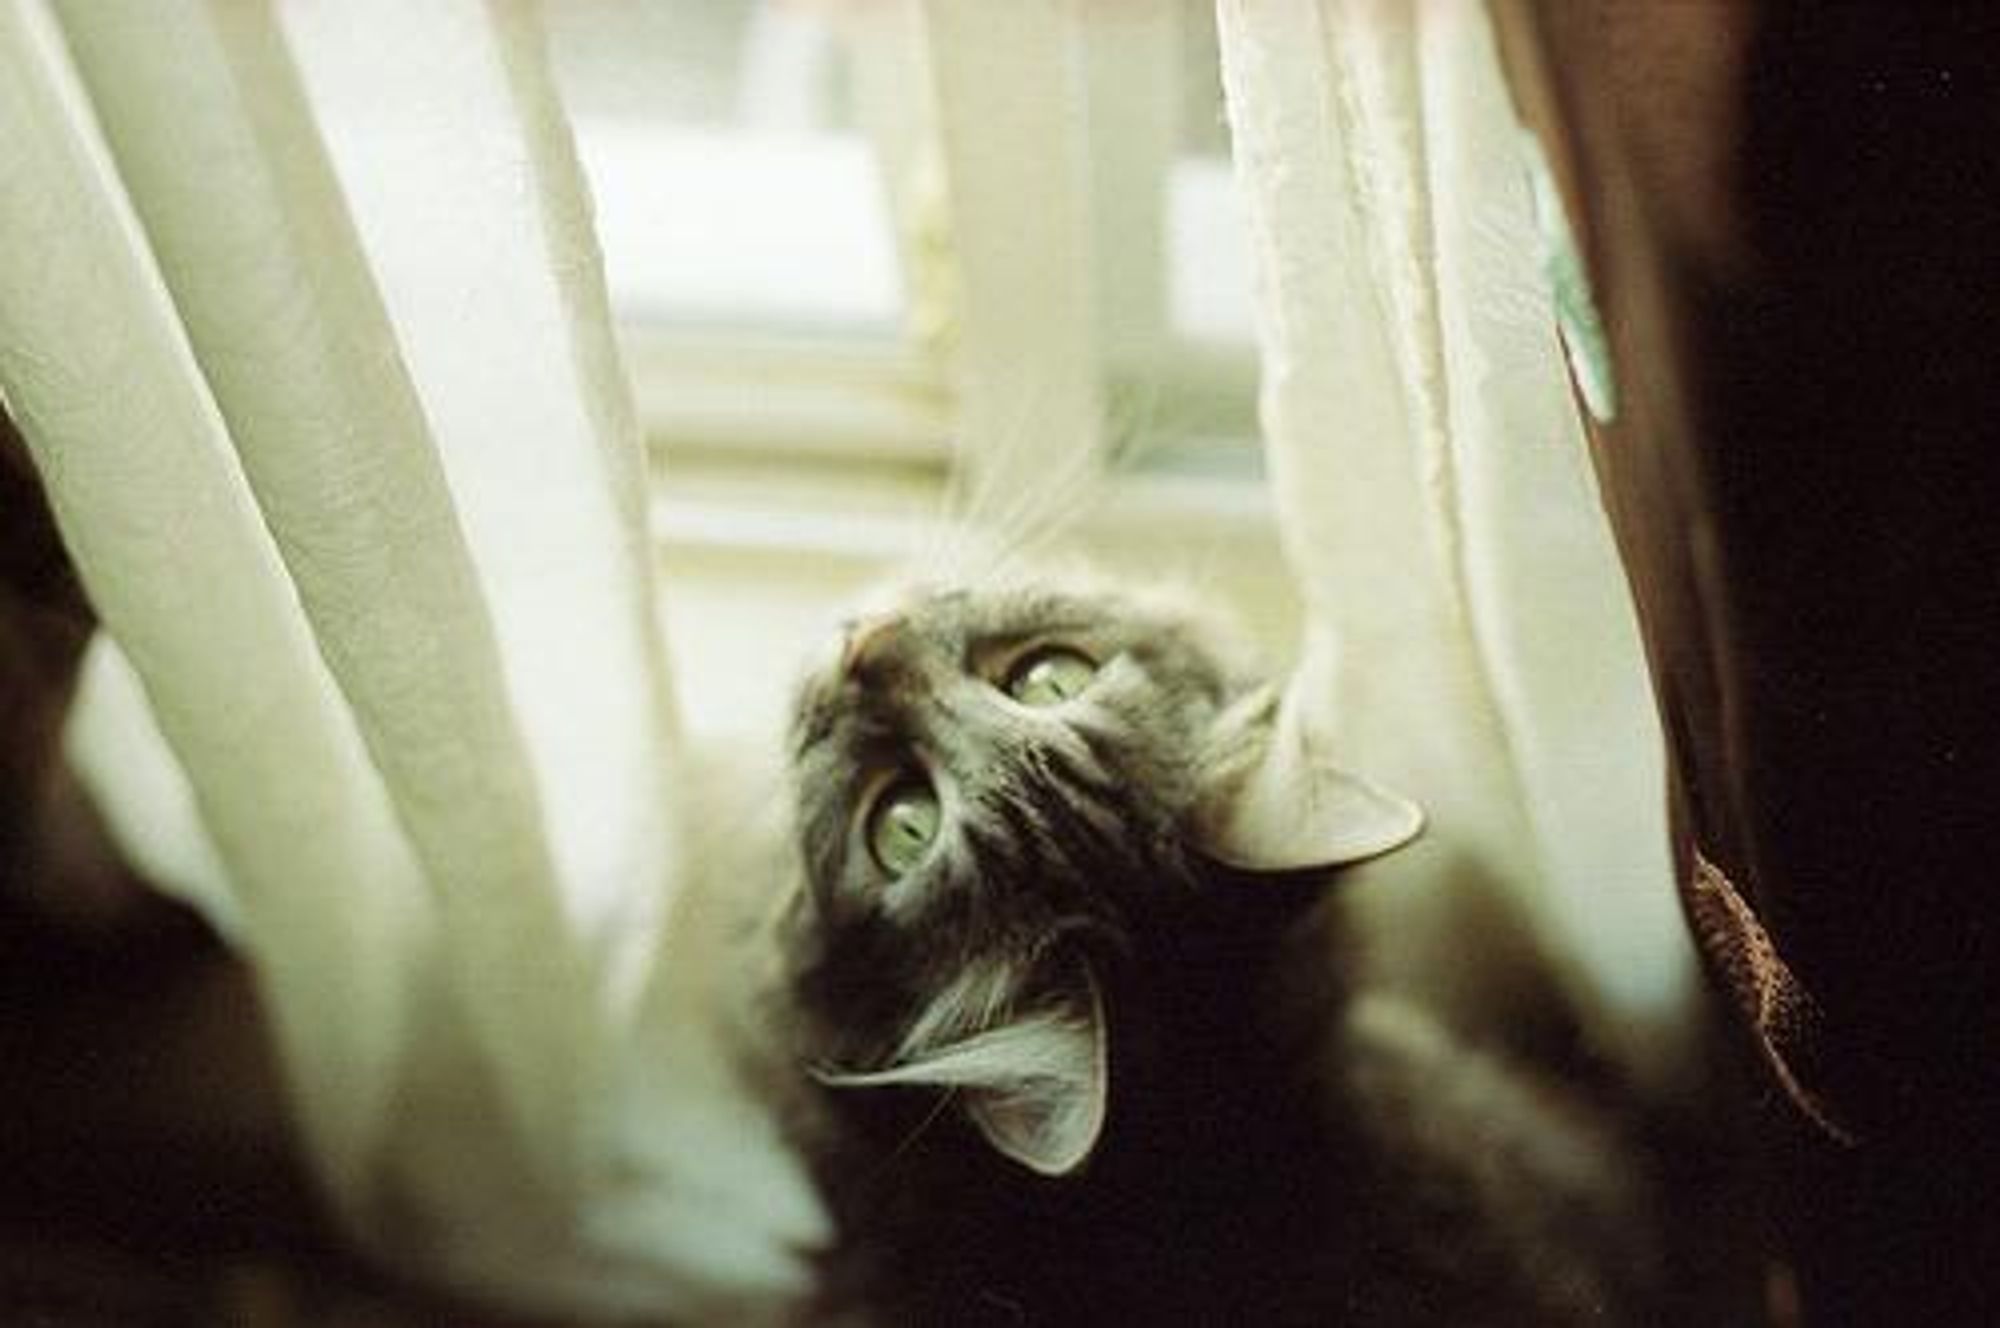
(789, 243)
(732, 190)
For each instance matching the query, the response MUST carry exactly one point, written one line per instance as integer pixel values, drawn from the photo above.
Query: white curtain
(1470, 639)
(330, 415)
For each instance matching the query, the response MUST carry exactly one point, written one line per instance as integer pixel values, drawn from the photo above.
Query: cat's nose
(866, 638)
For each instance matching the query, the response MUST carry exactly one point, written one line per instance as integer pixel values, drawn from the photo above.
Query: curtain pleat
(332, 419)
(1546, 595)
(246, 219)
(444, 129)
(1468, 639)
(168, 538)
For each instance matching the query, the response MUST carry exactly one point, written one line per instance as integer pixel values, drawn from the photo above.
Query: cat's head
(994, 785)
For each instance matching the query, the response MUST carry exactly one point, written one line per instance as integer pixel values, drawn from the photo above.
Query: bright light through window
(773, 196)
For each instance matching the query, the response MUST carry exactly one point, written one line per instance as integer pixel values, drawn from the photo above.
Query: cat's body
(1066, 977)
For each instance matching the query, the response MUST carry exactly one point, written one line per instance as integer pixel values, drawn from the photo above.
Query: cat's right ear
(1269, 802)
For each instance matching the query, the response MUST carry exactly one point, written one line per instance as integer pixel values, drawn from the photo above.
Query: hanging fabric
(331, 419)
(1468, 639)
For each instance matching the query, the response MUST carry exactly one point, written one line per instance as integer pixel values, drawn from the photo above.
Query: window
(784, 197)
(867, 255)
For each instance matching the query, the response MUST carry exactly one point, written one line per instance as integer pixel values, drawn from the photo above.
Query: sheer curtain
(331, 418)
(1470, 638)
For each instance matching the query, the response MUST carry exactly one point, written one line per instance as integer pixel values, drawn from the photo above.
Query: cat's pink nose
(865, 637)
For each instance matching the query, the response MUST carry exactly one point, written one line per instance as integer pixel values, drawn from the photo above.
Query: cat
(1064, 975)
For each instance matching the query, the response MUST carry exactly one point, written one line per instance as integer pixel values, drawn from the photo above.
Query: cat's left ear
(1035, 1088)
(1270, 803)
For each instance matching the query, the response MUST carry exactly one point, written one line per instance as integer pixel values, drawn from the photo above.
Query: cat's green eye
(902, 825)
(1050, 676)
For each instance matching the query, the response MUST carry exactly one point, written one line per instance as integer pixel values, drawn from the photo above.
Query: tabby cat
(1065, 972)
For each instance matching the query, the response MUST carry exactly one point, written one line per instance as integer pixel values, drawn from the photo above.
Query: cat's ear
(1270, 803)
(1035, 1088)
(1049, 1113)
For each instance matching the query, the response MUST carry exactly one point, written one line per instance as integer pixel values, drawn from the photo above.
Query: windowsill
(880, 511)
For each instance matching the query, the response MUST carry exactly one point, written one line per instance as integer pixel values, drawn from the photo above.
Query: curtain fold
(332, 420)
(246, 221)
(167, 537)
(443, 126)
(1468, 636)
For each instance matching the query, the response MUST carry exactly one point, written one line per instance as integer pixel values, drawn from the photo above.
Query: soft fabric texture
(1469, 638)
(332, 424)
